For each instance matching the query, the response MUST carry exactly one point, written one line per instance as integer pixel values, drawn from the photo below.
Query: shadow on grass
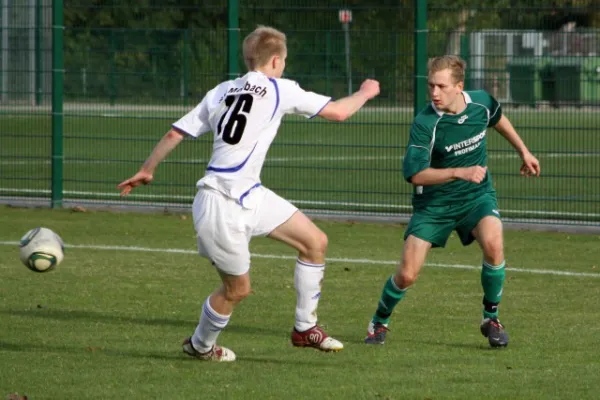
(171, 356)
(30, 347)
(94, 316)
(360, 341)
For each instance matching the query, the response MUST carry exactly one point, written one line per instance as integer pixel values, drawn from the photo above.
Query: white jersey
(244, 115)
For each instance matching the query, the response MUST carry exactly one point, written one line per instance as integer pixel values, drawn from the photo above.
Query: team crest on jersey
(463, 119)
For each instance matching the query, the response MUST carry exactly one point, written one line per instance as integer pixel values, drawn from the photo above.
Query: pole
(327, 62)
(186, 67)
(348, 67)
(420, 81)
(5, 50)
(57, 102)
(464, 54)
(31, 56)
(233, 37)
(113, 68)
(38, 52)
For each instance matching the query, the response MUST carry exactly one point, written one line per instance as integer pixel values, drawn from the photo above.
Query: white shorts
(224, 228)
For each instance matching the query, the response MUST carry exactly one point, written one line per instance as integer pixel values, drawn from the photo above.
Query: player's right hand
(141, 178)
(474, 174)
(370, 87)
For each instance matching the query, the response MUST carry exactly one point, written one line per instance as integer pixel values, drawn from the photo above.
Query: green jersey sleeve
(488, 101)
(495, 111)
(418, 151)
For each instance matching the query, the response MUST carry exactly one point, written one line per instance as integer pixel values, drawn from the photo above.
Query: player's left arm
(295, 100)
(531, 165)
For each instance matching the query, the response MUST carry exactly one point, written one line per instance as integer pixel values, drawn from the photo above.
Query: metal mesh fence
(133, 68)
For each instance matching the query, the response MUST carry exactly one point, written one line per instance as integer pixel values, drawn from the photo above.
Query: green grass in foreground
(108, 324)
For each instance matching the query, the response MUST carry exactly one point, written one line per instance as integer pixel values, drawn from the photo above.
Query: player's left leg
(281, 221)
(482, 223)
(488, 234)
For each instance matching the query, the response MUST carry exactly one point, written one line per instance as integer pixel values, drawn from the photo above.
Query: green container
(568, 72)
(525, 87)
(571, 80)
(547, 76)
(590, 85)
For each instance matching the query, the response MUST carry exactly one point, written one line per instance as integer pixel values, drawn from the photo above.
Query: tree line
(175, 50)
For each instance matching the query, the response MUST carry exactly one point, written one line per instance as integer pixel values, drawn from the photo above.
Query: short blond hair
(454, 63)
(262, 44)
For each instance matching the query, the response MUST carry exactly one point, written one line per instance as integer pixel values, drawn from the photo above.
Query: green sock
(492, 280)
(390, 296)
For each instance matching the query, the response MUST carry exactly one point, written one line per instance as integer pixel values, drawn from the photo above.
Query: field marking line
(329, 260)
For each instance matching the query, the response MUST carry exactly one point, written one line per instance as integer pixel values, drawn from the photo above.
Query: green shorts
(434, 224)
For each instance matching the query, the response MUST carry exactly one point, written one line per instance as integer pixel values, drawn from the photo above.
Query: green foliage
(173, 51)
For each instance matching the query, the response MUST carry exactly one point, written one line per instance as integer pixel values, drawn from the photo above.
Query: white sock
(210, 326)
(307, 280)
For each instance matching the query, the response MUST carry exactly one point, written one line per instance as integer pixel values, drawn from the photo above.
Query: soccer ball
(41, 250)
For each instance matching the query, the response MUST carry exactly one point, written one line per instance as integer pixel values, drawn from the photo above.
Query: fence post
(186, 67)
(327, 62)
(38, 52)
(113, 67)
(57, 102)
(464, 54)
(420, 81)
(233, 33)
(3, 50)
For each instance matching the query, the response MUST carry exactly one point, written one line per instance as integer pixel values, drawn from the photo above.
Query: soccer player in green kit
(446, 161)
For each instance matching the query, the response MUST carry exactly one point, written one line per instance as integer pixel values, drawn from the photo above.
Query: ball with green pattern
(41, 249)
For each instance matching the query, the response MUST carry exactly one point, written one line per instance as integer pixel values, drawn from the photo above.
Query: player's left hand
(141, 178)
(530, 166)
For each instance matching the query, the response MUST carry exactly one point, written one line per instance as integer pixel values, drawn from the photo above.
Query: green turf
(353, 166)
(108, 324)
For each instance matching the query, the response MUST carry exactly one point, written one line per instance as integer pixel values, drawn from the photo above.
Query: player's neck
(458, 106)
(264, 71)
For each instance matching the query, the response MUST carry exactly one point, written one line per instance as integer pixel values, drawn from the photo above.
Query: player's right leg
(216, 219)
(413, 257)
(428, 227)
(302, 234)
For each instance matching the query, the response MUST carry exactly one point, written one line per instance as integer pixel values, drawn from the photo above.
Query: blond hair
(262, 44)
(454, 63)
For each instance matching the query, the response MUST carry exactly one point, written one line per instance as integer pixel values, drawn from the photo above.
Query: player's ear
(275, 60)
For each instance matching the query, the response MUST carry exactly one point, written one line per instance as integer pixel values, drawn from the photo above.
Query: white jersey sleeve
(295, 100)
(196, 122)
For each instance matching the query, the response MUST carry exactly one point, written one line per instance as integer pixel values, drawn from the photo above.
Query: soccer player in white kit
(232, 206)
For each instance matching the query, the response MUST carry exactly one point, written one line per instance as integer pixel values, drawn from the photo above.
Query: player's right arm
(146, 173)
(436, 176)
(417, 162)
(344, 108)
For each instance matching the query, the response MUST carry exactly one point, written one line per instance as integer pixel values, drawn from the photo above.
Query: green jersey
(440, 140)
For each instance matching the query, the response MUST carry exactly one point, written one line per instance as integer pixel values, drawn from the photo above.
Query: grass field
(108, 322)
(350, 166)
